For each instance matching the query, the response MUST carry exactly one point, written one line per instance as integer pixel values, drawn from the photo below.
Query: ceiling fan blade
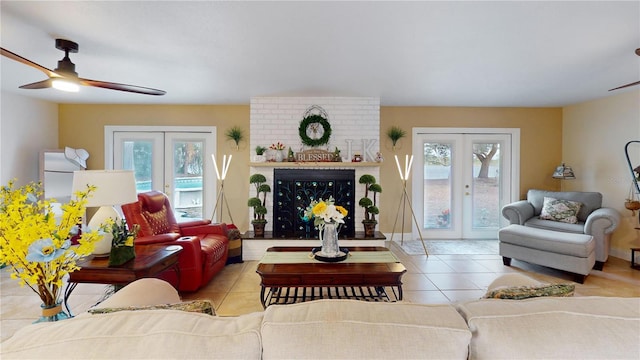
(122, 87)
(18, 58)
(624, 86)
(44, 84)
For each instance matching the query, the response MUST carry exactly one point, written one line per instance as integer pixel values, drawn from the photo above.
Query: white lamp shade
(113, 187)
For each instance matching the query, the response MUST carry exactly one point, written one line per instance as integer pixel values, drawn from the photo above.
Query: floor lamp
(221, 175)
(404, 176)
(113, 188)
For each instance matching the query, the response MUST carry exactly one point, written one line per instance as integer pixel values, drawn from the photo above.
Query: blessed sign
(317, 156)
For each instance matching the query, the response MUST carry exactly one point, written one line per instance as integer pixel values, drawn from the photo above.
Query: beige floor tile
(463, 295)
(466, 266)
(435, 266)
(452, 282)
(247, 282)
(236, 303)
(417, 282)
(482, 280)
(425, 297)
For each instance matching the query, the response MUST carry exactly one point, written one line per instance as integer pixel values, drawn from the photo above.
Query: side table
(150, 261)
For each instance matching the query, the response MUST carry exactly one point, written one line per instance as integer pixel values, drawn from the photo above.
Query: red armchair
(204, 245)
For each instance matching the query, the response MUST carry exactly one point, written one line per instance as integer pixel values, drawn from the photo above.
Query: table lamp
(113, 187)
(564, 172)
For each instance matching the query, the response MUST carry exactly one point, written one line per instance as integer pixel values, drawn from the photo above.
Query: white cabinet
(56, 174)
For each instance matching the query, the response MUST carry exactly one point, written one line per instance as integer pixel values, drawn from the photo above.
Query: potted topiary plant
(370, 208)
(258, 205)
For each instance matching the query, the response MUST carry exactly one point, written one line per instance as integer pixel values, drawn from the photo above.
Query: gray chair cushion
(535, 222)
(590, 200)
(578, 245)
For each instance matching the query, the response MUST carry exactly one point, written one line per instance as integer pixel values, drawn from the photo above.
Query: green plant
(370, 208)
(36, 245)
(235, 133)
(395, 133)
(260, 150)
(258, 205)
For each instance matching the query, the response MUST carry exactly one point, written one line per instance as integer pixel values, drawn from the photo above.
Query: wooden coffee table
(291, 274)
(150, 261)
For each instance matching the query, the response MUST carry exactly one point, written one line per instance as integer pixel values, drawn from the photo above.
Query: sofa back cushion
(590, 201)
(151, 334)
(348, 329)
(554, 328)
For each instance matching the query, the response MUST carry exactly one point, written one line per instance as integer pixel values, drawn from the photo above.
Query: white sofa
(561, 328)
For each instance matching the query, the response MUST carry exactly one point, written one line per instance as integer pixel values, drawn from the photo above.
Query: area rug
(450, 247)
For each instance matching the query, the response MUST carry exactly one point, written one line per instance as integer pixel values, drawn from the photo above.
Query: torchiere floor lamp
(406, 199)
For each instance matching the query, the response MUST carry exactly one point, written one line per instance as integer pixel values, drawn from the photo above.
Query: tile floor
(433, 279)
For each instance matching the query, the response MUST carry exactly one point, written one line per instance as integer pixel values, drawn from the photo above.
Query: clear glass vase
(329, 240)
(52, 313)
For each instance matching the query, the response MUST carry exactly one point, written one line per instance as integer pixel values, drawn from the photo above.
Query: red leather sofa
(204, 245)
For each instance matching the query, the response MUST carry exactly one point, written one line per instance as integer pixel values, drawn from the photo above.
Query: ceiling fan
(633, 83)
(64, 77)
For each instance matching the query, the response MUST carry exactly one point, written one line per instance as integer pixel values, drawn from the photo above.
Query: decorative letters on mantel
(367, 145)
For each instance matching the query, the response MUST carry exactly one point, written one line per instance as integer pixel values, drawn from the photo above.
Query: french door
(461, 180)
(174, 162)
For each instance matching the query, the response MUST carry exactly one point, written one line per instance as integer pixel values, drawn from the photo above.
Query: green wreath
(308, 121)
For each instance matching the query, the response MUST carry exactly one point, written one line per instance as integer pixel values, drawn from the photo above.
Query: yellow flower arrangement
(323, 211)
(37, 246)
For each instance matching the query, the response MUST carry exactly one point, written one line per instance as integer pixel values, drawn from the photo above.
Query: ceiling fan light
(65, 85)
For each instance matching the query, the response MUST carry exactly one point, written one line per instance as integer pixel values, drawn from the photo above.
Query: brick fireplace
(355, 124)
(293, 191)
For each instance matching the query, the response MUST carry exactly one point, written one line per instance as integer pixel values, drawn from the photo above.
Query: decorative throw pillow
(525, 292)
(560, 210)
(199, 306)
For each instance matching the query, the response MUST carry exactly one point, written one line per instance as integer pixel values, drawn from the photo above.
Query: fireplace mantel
(267, 169)
(311, 164)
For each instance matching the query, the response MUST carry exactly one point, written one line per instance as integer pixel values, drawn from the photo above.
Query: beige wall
(595, 133)
(82, 126)
(27, 126)
(540, 145)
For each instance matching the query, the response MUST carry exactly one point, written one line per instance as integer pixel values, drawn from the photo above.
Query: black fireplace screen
(294, 189)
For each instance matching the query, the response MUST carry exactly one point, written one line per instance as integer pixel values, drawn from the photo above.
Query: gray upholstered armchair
(593, 219)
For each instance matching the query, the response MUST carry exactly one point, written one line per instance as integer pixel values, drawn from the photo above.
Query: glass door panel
(488, 190)
(464, 181)
(144, 154)
(437, 185)
(171, 162)
(187, 174)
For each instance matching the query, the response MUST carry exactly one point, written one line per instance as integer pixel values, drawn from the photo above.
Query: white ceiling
(420, 53)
